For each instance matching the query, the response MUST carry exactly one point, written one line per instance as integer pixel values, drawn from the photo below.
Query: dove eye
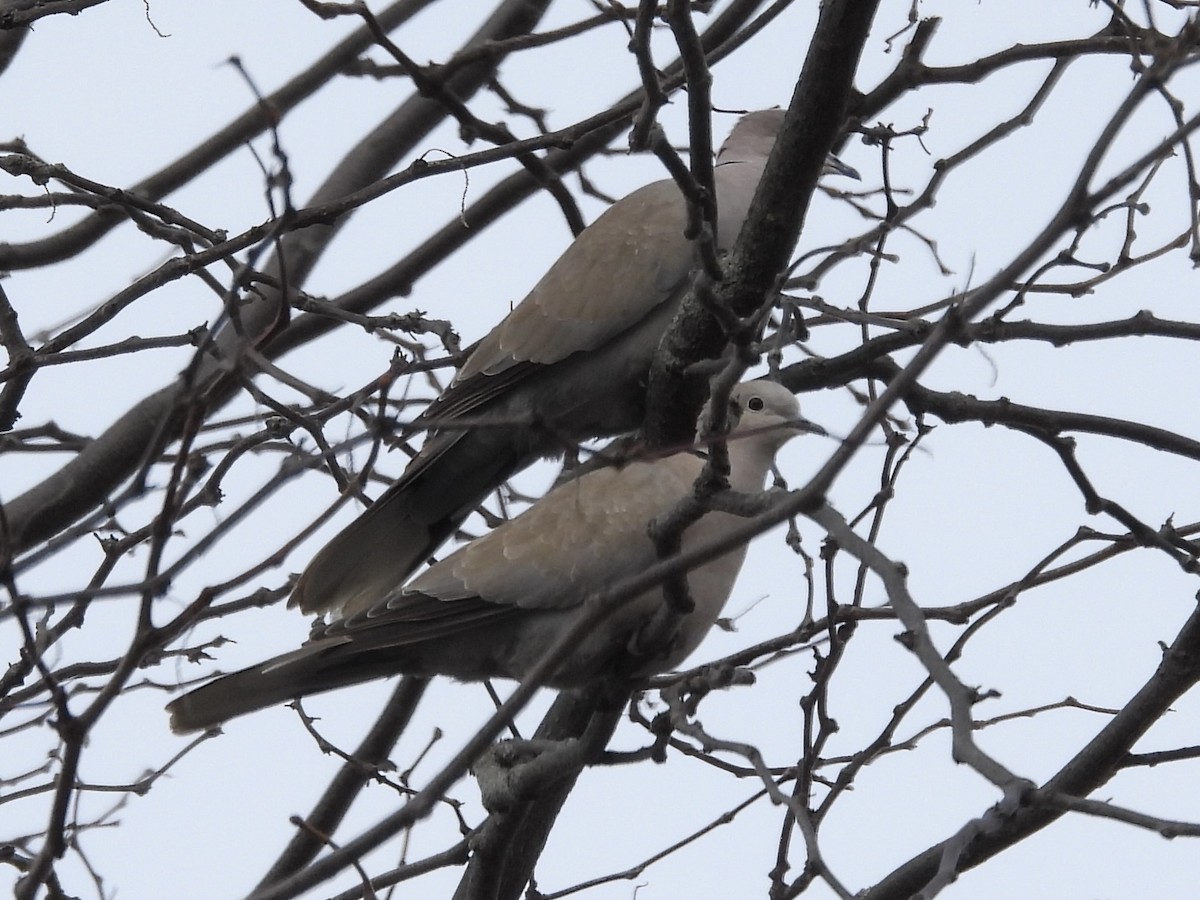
(755, 404)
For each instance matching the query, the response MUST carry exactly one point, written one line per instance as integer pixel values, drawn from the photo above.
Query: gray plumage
(493, 607)
(568, 363)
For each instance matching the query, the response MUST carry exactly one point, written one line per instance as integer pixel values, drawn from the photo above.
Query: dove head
(754, 135)
(766, 408)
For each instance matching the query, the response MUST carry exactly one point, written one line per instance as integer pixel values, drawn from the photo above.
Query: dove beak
(834, 166)
(804, 425)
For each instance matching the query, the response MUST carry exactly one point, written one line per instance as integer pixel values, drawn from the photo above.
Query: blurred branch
(21, 14)
(87, 479)
(511, 840)
(353, 776)
(1088, 770)
(233, 136)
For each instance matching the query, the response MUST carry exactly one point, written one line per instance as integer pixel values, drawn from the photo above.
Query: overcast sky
(114, 100)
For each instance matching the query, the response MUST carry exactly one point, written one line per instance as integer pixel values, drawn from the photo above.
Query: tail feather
(310, 670)
(377, 552)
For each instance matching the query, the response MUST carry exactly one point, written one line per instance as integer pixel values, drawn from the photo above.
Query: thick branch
(814, 120)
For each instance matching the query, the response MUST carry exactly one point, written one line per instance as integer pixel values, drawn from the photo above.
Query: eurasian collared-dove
(568, 363)
(492, 608)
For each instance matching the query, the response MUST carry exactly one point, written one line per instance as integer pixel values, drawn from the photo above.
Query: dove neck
(749, 463)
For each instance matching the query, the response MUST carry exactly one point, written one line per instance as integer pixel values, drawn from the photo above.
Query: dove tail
(377, 552)
(275, 682)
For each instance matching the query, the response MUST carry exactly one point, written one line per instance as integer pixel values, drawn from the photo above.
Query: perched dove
(494, 606)
(570, 362)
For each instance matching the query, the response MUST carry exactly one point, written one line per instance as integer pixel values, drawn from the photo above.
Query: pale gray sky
(105, 95)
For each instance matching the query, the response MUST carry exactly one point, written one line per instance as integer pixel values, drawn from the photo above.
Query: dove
(494, 606)
(569, 363)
